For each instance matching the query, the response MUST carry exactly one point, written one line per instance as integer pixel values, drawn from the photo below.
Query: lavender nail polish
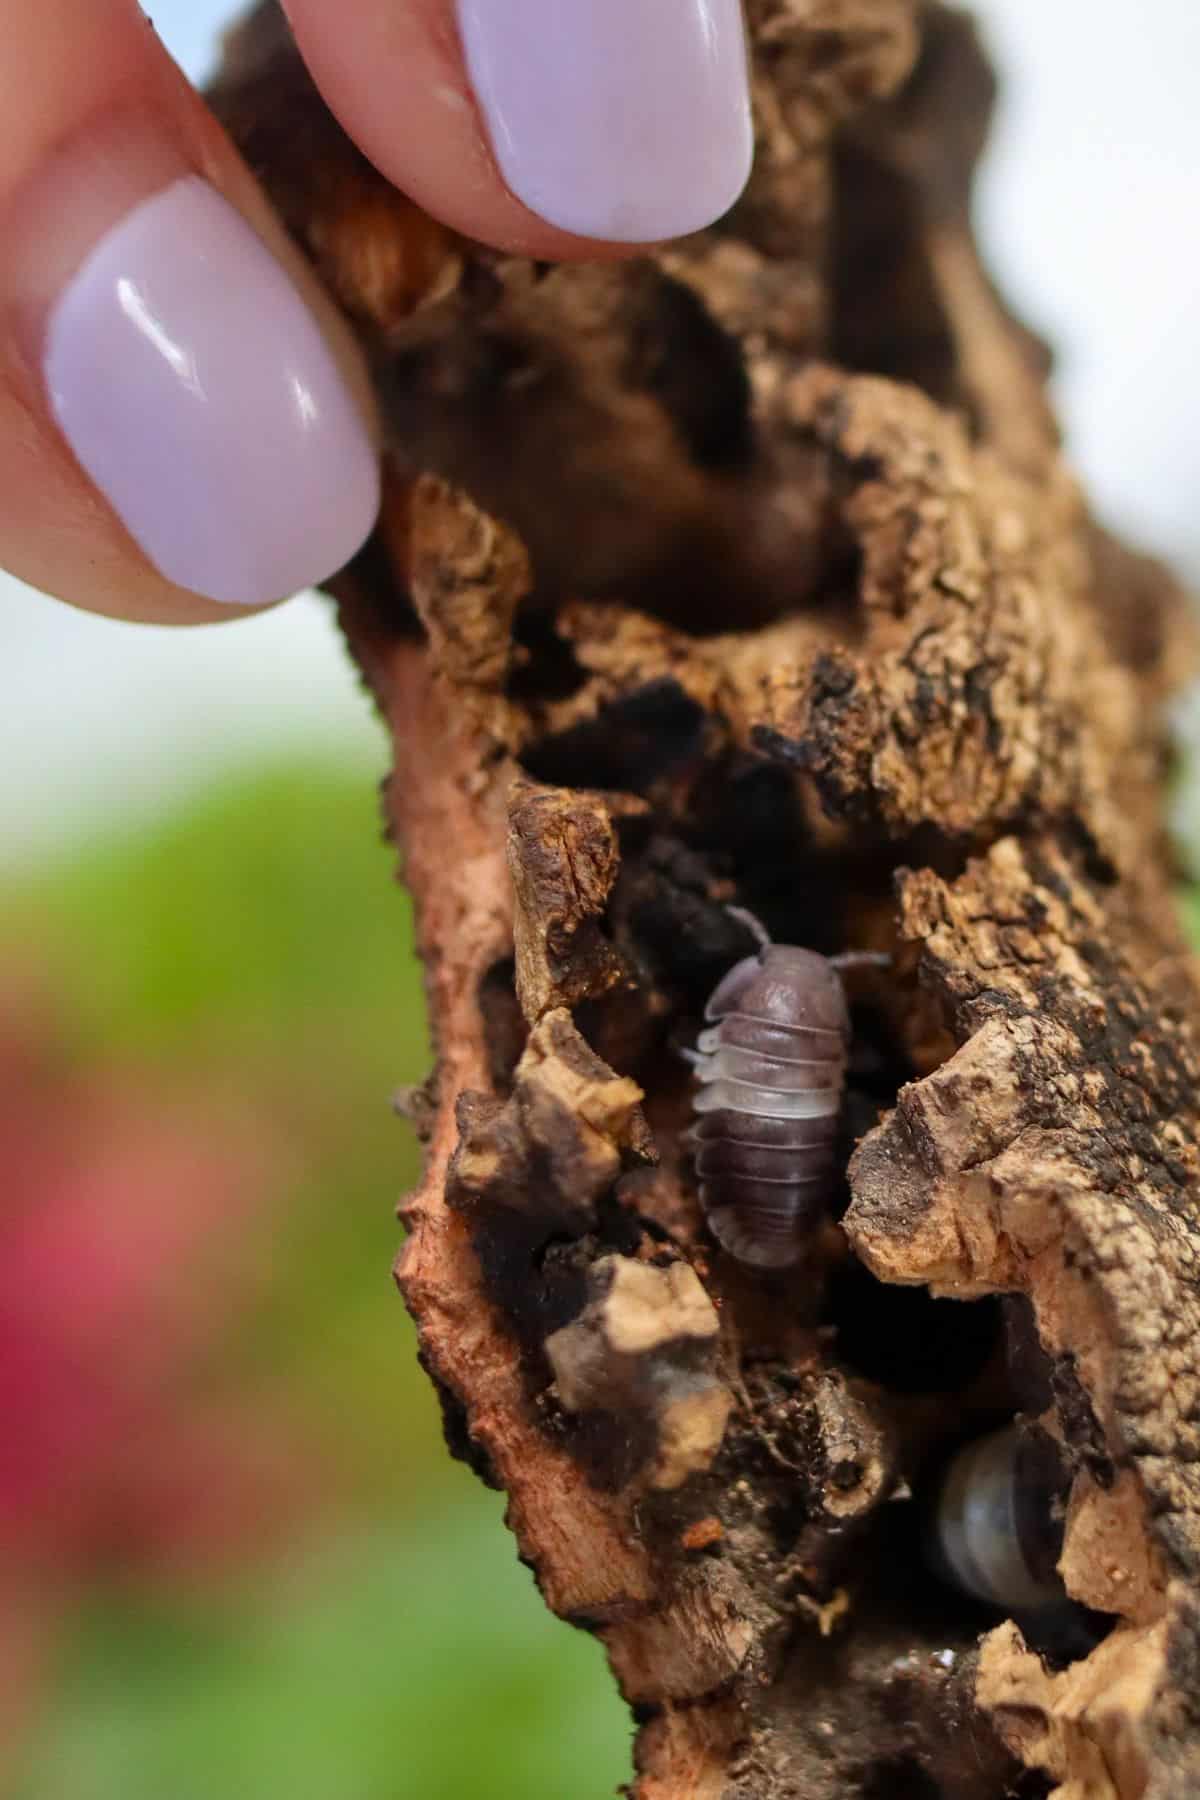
(196, 389)
(619, 119)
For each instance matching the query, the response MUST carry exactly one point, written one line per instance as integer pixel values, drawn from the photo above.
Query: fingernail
(620, 119)
(196, 389)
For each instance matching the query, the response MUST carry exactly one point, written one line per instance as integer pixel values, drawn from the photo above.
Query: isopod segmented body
(997, 1529)
(771, 1068)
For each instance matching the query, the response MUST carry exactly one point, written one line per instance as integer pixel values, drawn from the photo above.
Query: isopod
(997, 1527)
(771, 1069)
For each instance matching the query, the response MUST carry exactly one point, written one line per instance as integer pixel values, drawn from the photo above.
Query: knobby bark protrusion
(751, 572)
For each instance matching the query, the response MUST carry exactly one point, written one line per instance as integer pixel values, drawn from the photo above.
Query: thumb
(522, 121)
(182, 415)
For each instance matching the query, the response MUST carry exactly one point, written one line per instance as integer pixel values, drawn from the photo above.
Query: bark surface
(751, 572)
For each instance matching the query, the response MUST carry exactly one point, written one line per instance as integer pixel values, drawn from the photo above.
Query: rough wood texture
(793, 602)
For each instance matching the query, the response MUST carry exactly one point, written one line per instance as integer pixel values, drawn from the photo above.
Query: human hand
(186, 429)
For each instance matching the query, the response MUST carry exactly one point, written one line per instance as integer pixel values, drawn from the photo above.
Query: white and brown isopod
(997, 1527)
(771, 1068)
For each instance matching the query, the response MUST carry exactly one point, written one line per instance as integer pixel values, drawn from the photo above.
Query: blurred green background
(235, 1558)
(245, 1563)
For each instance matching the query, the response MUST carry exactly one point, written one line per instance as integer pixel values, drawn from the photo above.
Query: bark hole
(902, 1779)
(906, 1340)
(503, 1023)
(545, 667)
(631, 745)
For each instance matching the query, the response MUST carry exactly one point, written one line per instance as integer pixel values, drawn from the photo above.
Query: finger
(181, 413)
(519, 121)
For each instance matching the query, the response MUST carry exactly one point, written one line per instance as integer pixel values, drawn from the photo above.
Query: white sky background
(1088, 207)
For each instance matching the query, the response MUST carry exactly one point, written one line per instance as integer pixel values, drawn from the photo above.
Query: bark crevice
(751, 572)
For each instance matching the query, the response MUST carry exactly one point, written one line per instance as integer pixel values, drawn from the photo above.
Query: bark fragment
(643, 1345)
(751, 571)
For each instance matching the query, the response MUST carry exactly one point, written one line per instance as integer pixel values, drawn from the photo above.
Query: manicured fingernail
(619, 119)
(194, 386)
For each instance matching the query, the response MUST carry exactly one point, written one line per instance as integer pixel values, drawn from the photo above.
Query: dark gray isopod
(771, 1068)
(997, 1528)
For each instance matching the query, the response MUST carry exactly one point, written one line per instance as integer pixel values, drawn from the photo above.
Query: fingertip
(195, 389)
(554, 129)
(612, 119)
(185, 423)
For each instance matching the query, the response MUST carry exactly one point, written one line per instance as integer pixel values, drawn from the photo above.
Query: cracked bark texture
(751, 571)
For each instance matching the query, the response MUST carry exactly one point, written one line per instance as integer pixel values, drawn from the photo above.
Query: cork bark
(751, 572)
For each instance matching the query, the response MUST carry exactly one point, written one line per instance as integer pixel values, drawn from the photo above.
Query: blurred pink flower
(131, 1237)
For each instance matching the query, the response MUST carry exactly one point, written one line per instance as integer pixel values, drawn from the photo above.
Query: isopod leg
(860, 959)
(754, 925)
